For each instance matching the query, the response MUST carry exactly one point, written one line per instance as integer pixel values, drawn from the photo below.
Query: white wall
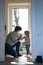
(2, 57)
(37, 28)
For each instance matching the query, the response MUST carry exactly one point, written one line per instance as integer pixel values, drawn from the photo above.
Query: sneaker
(19, 54)
(15, 56)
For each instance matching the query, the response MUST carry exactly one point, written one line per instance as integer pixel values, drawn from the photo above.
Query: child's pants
(27, 48)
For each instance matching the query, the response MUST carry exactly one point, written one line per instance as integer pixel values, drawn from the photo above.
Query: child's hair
(27, 33)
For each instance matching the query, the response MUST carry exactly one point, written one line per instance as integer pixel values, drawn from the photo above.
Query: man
(13, 41)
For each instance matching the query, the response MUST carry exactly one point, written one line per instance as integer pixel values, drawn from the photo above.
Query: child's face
(27, 34)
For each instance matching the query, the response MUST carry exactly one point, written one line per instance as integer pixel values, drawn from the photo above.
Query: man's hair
(18, 28)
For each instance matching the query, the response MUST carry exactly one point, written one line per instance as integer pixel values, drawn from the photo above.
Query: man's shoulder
(10, 33)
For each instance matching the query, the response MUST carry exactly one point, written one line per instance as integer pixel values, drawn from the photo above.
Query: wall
(37, 28)
(2, 57)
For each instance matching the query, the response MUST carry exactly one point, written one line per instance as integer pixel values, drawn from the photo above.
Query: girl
(27, 41)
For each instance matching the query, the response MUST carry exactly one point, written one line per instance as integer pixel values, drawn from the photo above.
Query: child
(27, 41)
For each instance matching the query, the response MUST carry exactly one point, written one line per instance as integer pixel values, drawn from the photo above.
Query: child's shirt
(27, 40)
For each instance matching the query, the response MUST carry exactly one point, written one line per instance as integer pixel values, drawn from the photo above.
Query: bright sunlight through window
(20, 17)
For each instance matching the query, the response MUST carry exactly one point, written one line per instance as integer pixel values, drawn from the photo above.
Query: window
(20, 17)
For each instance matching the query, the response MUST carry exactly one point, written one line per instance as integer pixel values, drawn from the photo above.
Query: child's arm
(24, 37)
(21, 38)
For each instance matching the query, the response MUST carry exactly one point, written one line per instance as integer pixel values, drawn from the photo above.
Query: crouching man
(12, 41)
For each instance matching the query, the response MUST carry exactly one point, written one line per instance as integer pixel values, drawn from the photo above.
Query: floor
(24, 59)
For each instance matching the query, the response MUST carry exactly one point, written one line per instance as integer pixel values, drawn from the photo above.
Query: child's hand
(24, 37)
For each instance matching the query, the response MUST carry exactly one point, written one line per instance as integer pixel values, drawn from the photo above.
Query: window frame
(13, 6)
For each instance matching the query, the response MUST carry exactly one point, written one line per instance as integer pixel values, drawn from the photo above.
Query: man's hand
(20, 37)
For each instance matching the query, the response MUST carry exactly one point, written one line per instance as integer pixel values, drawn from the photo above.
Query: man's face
(18, 32)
